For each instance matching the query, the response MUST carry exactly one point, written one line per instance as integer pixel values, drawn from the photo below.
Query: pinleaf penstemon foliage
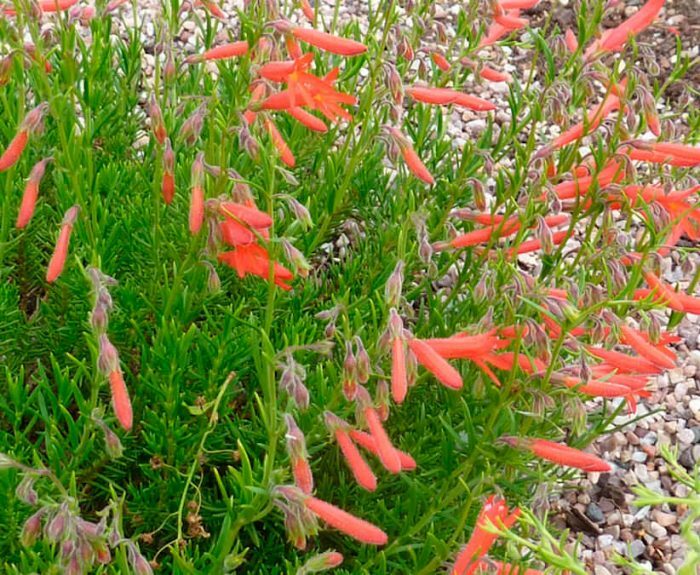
(262, 310)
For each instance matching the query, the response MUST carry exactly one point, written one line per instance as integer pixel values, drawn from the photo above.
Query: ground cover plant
(262, 313)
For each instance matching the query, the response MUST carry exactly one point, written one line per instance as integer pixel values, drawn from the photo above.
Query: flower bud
(321, 562)
(363, 361)
(108, 358)
(57, 527)
(25, 491)
(296, 258)
(394, 286)
(32, 528)
(192, 127)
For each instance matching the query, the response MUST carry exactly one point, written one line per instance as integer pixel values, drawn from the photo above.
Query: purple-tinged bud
(192, 127)
(425, 250)
(394, 82)
(544, 234)
(329, 331)
(321, 562)
(300, 212)
(113, 445)
(382, 400)
(25, 491)
(478, 193)
(169, 68)
(296, 443)
(396, 328)
(394, 286)
(102, 553)
(363, 361)
(73, 566)
(32, 528)
(296, 258)
(411, 369)
(67, 549)
(138, 562)
(99, 318)
(57, 527)
(108, 358)
(248, 142)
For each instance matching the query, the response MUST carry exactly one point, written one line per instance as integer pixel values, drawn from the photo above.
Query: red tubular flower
(368, 442)
(250, 215)
(308, 120)
(497, 31)
(534, 245)
(431, 360)
(559, 454)
(440, 61)
(464, 346)
(623, 362)
(571, 40)
(328, 42)
(58, 259)
(387, 453)
(446, 96)
(494, 75)
(593, 119)
(518, 4)
(32, 122)
(31, 192)
(196, 215)
(611, 172)
(413, 162)
(254, 259)
(399, 380)
(212, 8)
(494, 567)
(120, 399)
(494, 513)
(285, 153)
(361, 471)
(634, 339)
(223, 52)
(45, 6)
(665, 153)
(296, 448)
(308, 10)
(614, 39)
(168, 183)
(343, 521)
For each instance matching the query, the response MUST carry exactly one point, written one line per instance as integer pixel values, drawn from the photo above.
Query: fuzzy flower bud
(394, 286)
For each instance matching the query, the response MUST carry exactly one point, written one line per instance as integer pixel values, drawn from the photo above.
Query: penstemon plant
(338, 337)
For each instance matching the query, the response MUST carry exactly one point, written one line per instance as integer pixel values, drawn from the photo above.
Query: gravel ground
(597, 509)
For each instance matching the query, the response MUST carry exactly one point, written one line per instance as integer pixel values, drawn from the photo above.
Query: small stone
(696, 434)
(694, 406)
(636, 548)
(595, 513)
(686, 458)
(686, 436)
(639, 456)
(600, 570)
(657, 530)
(680, 391)
(615, 518)
(676, 542)
(605, 541)
(662, 518)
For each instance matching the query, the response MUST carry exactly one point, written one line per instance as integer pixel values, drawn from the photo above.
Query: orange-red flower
(446, 96)
(278, 141)
(254, 259)
(58, 258)
(31, 192)
(434, 363)
(614, 39)
(413, 161)
(343, 521)
(358, 466)
(368, 442)
(32, 122)
(223, 52)
(670, 153)
(328, 42)
(559, 454)
(494, 514)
